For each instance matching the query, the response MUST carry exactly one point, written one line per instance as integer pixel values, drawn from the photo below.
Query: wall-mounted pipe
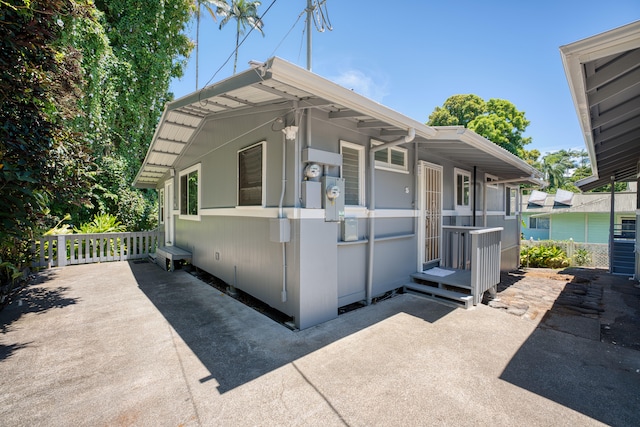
(288, 133)
(411, 134)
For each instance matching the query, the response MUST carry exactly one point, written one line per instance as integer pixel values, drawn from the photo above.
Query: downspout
(289, 132)
(372, 203)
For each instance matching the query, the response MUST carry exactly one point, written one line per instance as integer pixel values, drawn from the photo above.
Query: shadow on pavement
(34, 298)
(565, 361)
(237, 344)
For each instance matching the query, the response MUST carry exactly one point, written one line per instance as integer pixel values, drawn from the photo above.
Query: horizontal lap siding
(238, 251)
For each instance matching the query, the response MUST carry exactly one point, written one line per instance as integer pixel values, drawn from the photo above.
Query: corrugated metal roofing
(277, 82)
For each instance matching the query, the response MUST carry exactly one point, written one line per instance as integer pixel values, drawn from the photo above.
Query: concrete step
(456, 299)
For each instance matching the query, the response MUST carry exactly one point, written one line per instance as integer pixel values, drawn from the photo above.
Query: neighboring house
(603, 72)
(309, 196)
(585, 218)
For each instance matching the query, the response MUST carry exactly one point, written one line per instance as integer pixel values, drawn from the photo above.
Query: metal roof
(582, 203)
(604, 79)
(277, 83)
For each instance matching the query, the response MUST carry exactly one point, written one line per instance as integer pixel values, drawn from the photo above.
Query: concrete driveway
(126, 344)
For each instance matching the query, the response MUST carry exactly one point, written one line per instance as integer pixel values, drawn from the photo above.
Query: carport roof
(603, 72)
(277, 83)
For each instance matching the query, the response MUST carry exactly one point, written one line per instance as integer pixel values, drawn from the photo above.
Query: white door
(430, 237)
(168, 213)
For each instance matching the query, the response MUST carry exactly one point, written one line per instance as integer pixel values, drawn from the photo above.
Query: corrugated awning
(277, 83)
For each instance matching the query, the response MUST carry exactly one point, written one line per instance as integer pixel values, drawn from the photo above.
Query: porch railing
(70, 249)
(476, 249)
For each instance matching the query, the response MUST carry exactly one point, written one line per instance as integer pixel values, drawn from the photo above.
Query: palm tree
(209, 5)
(245, 12)
(555, 166)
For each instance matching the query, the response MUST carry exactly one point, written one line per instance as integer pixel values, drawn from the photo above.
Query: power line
(237, 47)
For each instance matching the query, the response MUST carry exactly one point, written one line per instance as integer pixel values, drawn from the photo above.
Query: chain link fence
(580, 254)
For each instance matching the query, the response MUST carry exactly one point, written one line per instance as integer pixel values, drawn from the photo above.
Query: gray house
(310, 197)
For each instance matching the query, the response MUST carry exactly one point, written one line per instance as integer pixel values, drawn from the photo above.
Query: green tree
(245, 13)
(130, 51)
(41, 159)
(497, 120)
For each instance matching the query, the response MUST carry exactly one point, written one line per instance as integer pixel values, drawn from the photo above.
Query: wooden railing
(476, 249)
(486, 248)
(70, 249)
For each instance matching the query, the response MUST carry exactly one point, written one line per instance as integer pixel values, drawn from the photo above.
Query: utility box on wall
(312, 194)
(349, 230)
(333, 198)
(279, 230)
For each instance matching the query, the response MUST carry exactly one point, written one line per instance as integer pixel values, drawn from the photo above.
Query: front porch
(468, 267)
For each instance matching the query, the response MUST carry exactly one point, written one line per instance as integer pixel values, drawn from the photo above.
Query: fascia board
(295, 76)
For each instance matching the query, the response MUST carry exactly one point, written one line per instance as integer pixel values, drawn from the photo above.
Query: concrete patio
(127, 343)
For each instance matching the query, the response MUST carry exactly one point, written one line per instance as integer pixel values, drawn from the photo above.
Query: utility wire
(238, 47)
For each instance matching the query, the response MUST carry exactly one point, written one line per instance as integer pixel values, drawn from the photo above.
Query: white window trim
(507, 191)
(361, 170)
(388, 166)
(161, 205)
(197, 168)
(488, 178)
(264, 175)
(461, 208)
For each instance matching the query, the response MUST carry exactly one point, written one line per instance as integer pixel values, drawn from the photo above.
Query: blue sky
(412, 55)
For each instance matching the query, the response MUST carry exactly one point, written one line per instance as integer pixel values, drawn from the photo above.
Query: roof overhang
(277, 84)
(603, 73)
(466, 147)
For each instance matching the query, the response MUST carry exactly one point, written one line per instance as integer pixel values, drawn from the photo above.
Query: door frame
(169, 225)
(422, 188)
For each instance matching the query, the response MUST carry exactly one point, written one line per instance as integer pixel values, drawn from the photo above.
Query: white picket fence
(71, 249)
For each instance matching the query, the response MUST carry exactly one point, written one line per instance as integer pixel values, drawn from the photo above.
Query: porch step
(456, 299)
(459, 278)
(166, 256)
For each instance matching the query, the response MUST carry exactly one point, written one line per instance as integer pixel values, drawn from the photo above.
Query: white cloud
(363, 84)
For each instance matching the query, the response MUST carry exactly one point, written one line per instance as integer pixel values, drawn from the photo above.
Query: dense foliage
(43, 162)
(545, 256)
(82, 86)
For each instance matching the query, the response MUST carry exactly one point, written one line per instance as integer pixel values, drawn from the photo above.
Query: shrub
(544, 256)
(104, 223)
(582, 257)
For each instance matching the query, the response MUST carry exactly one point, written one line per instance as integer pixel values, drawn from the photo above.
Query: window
(539, 223)
(462, 189)
(190, 193)
(391, 158)
(490, 180)
(251, 175)
(511, 201)
(161, 205)
(353, 173)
